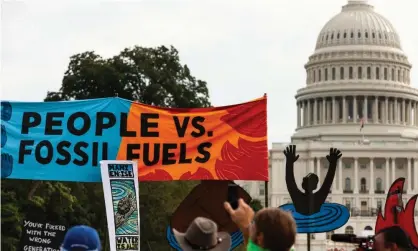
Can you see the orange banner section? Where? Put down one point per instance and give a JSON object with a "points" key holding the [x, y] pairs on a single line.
{"points": [[222, 143]]}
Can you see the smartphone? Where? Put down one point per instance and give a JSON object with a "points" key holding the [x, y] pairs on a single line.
{"points": [[233, 195]]}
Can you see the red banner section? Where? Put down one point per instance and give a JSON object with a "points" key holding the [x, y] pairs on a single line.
{"points": [[221, 143]]}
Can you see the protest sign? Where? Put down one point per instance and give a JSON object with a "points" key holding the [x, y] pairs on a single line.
{"points": [[65, 141], [120, 188], [43, 236]]}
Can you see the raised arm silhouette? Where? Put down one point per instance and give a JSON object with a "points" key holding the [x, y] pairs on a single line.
{"points": [[307, 202]]}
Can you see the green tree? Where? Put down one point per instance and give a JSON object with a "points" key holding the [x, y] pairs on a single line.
{"points": [[152, 76], [256, 205]]}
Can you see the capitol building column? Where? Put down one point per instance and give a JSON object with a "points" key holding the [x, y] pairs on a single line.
{"points": [[387, 170], [416, 113], [344, 110], [371, 189], [334, 119], [416, 175], [340, 175], [324, 111], [315, 112], [298, 114], [386, 114], [390, 113], [318, 168], [415, 120], [408, 113], [393, 169], [355, 175], [311, 165], [365, 109], [355, 111], [309, 113], [376, 110], [409, 179]]}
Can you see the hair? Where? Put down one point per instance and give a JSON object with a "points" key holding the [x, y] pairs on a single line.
{"points": [[278, 228], [395, 235]]}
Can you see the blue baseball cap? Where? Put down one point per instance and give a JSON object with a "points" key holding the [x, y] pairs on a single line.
{"points": [[81, 237]]}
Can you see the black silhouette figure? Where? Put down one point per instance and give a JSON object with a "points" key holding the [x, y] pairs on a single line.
{"points": [[307, 202]]}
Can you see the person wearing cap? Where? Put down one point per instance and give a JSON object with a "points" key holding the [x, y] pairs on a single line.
{"points": [[270, 229], [202, 234], [81, 238], [392, 239]]}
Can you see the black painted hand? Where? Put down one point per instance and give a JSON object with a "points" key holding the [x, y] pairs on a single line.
{"points": [[3, 136], [334, 155], [290, 153], [6, 165]]}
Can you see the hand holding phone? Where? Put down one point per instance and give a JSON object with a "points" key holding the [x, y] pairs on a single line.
{"points": [[233, 195]]}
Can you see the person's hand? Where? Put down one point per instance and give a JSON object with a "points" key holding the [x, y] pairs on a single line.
{"points": [[334, 155], [242, 216], [290, 153]]}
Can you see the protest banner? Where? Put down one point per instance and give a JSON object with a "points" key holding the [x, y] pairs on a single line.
{"points": [[37, 235], [120, 188], [65, 141]]}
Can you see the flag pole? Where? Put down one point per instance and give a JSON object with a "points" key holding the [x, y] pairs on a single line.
{"points": [[361, 129], [266, 183], [266, 194], [309, 241]]}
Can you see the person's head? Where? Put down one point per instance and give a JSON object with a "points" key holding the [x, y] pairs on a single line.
{"points": [[273, 229], [310, 182], [203, 234], [81, 238], [391, 239]]}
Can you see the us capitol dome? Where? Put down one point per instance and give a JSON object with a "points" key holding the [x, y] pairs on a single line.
{"points": [[358, 98]]}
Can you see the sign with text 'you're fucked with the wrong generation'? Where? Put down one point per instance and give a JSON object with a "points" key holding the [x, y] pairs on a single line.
{"points": [[41, 236]]}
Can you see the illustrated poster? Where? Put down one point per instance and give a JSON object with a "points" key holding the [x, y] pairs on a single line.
{"points": [[120, 186]]}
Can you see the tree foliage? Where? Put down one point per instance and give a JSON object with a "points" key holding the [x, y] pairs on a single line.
{"points": [[152, 76], [256, 205]]}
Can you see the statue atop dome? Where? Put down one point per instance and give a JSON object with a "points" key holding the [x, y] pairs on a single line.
{"points": [[358, 1]]}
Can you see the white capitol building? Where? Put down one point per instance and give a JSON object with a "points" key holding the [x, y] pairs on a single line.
{"points": [[357, 72]]}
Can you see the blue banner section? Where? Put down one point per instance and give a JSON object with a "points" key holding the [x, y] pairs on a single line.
{"points": [[62, 141]]}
